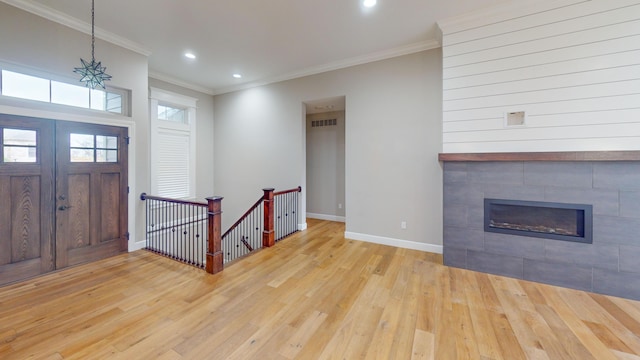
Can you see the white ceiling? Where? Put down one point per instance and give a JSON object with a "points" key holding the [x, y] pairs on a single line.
{"points": [[264, 40]]}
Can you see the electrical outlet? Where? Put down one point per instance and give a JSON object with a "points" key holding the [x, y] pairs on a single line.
{"points": [[339, 206], [403, 225]]}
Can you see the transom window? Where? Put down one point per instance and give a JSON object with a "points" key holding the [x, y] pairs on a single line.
{"points": [[174, 114], [93, 148], [18, 145], [29, 87]]}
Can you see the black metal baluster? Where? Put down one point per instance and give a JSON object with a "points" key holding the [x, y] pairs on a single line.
{"points": [[176, 232], [156, 225], [259, 227], [189, 236], [278, 211], [200, 237], [288, 226], [202, 240], [180, 232], [192, 237], [185, 232], [165, 235], [168, 229], [146, 222], [296, 211]]}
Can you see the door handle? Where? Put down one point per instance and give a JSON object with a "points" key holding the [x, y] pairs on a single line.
{"points": [[63, 207]]}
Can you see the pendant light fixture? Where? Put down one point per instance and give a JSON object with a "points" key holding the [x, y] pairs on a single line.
{"points": [[93, 73]]}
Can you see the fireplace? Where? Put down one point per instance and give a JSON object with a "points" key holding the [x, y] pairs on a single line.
{"points": [[558, 221], [605, 258]]}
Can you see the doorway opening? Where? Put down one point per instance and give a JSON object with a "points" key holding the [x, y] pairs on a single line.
{"points": [[325, 158]]}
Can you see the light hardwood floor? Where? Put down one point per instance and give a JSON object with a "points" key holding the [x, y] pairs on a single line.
{"points": [[314, 295]]}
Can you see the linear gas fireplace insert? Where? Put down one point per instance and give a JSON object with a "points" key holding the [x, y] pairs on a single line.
{"points": [[558, 221]]}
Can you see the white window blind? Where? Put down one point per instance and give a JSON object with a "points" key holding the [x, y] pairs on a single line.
{"points": [[173, 166]]}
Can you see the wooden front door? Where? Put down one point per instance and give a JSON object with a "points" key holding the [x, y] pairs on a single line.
{"points": [[91, 192], [63, 195], [26, 198]]}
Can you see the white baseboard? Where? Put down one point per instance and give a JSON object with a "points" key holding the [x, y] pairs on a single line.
{"points": [[302, 226], [326, 217], [405, 244], [137, 245]]}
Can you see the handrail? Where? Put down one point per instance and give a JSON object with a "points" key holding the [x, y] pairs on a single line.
{"points": [[298, 189], [242, 217], [144, 196]]}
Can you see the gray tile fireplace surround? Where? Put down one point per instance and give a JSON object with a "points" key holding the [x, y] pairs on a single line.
{"points": [[611, 265]]}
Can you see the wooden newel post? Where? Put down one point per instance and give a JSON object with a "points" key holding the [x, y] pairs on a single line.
{"points": [[214, 243], [268, 234]]}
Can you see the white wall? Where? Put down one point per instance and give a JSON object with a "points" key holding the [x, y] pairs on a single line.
{"points": [[393, 136], [325, 167], [34, 43], [572, 65], [204, 136]]}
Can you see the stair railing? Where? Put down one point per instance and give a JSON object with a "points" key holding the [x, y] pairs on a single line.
{"points": [[244, 236], [286, 212], [271, 218], [190, 231], [186, 231]]}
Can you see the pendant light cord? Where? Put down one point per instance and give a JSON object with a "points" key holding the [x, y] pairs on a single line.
{"points": [[93, 36]]}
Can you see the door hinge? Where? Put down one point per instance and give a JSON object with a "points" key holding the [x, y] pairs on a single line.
{"points": [[127, 139], [127, 235], [128, 189]]}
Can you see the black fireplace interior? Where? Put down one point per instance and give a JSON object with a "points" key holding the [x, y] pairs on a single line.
{"points": [[559, 221]]}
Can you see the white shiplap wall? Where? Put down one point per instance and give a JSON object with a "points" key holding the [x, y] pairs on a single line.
{"points": [[572, 65]]}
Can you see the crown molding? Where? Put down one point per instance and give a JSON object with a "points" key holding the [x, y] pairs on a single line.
{"points": [[500, 12], [337, 65], [181, 83], [73, 23]]}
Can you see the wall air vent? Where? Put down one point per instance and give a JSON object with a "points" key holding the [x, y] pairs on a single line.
{"points": [[326, 122], [515, 118]]}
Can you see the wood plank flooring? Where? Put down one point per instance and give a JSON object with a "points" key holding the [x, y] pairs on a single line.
{"points": [[314, 295]]}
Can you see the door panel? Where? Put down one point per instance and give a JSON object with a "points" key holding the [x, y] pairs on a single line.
{"points": [[25, 229], [79, 233], [91, 192], [109, 191], [26, 190]]}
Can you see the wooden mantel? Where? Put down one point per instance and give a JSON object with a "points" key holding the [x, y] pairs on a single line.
{"points": [[544, 156]]}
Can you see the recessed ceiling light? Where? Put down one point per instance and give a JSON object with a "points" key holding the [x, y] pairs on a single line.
{"points": [[237, 76], [190, 55], [369, 3]]}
